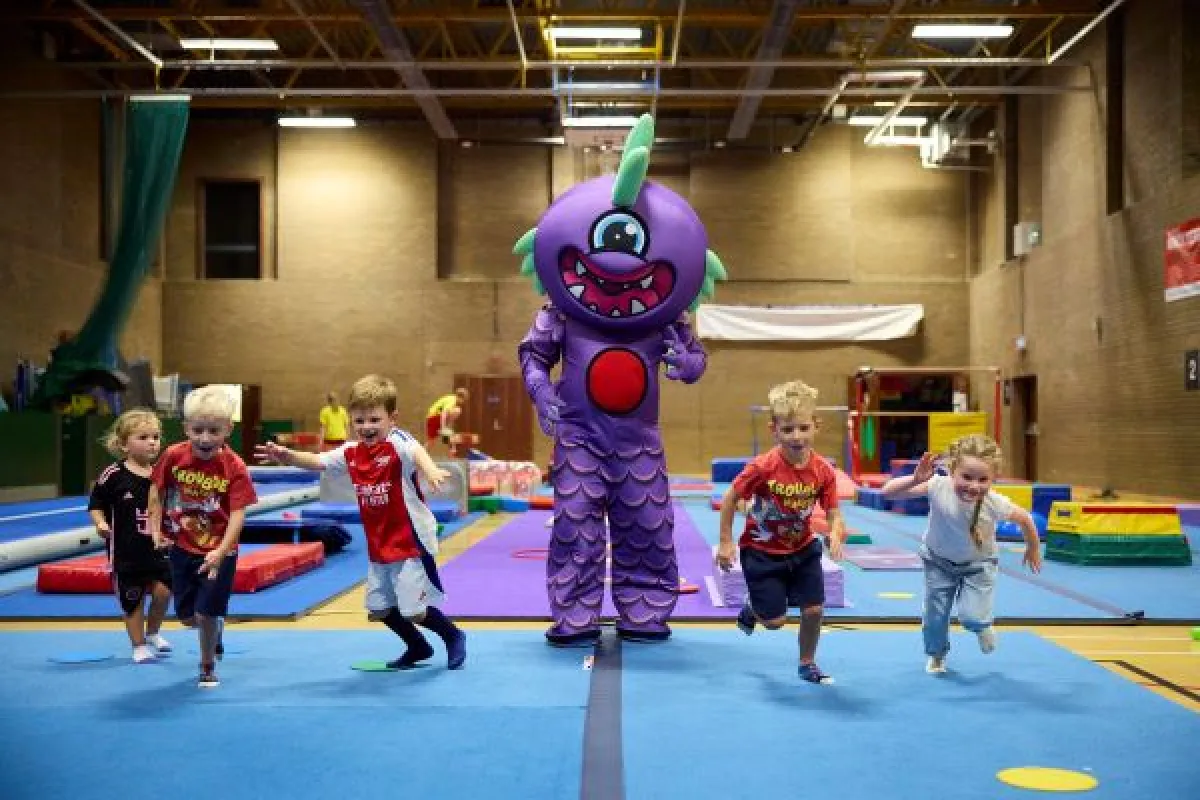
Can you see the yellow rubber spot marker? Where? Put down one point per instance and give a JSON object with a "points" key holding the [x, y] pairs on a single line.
{"points": [[896, 595], [1047, 779]]}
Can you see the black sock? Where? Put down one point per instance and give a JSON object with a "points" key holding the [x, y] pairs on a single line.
{"points": [[440, 624], [405, 629]]}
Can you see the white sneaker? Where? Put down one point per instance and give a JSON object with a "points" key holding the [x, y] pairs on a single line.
{"points": [[143, 653], [987, 640], [936, 665], [157, 641]]}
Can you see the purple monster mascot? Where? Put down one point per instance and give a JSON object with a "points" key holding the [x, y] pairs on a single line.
{"points": [[621, 259]]}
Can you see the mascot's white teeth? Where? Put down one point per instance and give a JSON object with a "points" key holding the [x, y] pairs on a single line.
{"points": [[577, 290], [636, 307]]}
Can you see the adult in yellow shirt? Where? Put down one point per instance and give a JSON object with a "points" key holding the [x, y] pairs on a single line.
{"points": [[335, 421], [440, 419]]}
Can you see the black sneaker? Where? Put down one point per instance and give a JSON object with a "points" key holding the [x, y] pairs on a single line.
{"points": [[208, 678], [456, 651], [812, 673], [412, 657], [746, 619]]}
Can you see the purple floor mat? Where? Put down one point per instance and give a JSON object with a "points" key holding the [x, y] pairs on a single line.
{"points": [[1189, 513], [487, 582], [870, 557]]}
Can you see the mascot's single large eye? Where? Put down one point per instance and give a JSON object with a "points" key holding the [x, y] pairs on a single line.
{"points": [[620, 231]]}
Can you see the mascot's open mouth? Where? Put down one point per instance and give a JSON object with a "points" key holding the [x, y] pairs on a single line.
{"points": [[611, 295]]}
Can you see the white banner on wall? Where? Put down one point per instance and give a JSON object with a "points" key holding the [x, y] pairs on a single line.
{"points": [[808, 323]]}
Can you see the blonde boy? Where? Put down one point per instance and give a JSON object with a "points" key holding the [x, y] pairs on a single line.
{"points": [[780, 553], [198, 501]]}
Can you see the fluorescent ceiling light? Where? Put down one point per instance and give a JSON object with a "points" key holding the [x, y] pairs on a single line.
{"points": [[868, 121], [608, 34], [887, 75], [962, 31], [899, 141], [228, 44], [604, 86], [316, 122], [599, 122]]}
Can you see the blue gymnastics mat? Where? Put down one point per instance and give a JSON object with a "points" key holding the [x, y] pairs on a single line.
{"points": [[294, 720], [713, 714]]}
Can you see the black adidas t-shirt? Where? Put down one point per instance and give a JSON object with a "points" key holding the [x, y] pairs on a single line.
{"points": [[123, 497]]}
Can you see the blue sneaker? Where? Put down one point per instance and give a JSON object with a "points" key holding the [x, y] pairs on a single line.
{"points": [[456, 651], [746, 619], [812, 673]]}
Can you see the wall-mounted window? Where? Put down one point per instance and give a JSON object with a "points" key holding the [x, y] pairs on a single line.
{"points": [[230, 230]]}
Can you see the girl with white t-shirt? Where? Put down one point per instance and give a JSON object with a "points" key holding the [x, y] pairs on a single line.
{"points": [[959, 546]]}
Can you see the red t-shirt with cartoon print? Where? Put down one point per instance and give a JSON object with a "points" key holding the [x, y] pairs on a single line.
{"points": [[782, 498], [198, 495]]}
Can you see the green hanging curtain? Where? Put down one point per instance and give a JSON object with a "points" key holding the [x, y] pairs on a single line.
{"points": [[155, 128]]}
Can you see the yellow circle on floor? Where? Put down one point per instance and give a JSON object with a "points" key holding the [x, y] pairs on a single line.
{"points": [[1047, 779], [896, 595]]}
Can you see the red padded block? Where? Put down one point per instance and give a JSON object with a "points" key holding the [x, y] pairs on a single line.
{"points": [[543, 502], [275, 564], [481, 490], [86, 575], [255, 570]]}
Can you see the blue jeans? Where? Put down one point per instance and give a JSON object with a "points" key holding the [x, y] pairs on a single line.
{"points": [[971, 582]]}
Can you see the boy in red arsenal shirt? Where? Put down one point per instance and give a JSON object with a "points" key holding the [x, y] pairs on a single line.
{"points": [[780, 553], [198, 502], [383, 464]]}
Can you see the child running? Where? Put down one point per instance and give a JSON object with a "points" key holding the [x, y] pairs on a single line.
{"points": [[780, 553], [402, 577], [118, 508], [959, 546]]}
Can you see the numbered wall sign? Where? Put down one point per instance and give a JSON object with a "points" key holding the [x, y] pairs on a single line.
{"points": [[1191, 370]]}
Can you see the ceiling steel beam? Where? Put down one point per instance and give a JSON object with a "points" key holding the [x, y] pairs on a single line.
{"points": [[120, 34], [506, 63], [774, 38], [395, 46], [447, 11], [312, 28], [735, 91]]}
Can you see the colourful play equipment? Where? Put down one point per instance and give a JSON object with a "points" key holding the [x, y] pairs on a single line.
{"points": [[944, 426], [1110, 534]]}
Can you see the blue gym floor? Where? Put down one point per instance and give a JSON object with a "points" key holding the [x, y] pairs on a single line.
{"points": [[709, 714]]}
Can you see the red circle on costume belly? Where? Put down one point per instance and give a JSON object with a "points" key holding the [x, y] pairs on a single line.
{"points": [[616, 381]]}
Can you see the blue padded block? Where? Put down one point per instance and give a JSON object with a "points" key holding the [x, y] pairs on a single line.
{"points": [[899, 467], [912, 506], [339, 512], [724, 470], [513, 503], [872, 498], [1044, 495], [445, 510], [1010, 532]]}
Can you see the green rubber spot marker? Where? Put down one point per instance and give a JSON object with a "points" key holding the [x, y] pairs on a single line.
{"points": [[372, 666]]}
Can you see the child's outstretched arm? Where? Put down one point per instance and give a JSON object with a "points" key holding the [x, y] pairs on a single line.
{"points": [[434, 475], [915, 484], [726, 553], [272, 453], [1033, 545]]}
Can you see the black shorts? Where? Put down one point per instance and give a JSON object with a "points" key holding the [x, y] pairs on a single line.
{"points": [[132, 585], [777, 583], [196, 593]]}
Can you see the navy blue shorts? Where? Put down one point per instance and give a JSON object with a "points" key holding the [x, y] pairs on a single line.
{"points": [[777, 583], [198, 594]]}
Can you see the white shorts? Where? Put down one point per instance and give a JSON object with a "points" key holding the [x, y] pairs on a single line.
{"points": [[404, 585]]}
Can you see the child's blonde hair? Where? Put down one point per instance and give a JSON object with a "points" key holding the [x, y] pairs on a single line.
{"points": [[984, 448], [372, 391], [792, 399], [125, 426], [210, 402]]}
